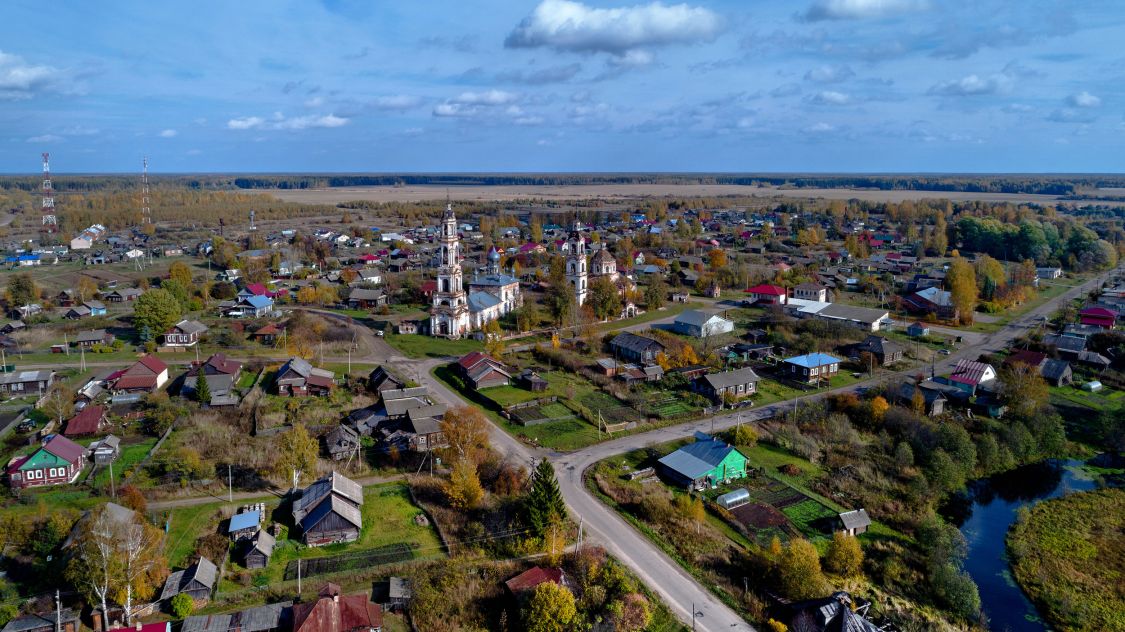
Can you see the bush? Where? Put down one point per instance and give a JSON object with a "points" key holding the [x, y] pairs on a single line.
{"points": [[182, 605]]}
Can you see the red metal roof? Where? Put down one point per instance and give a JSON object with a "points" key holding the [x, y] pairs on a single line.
{"points": [[969, 372], [152, 363], [85, 422], [770, 290], [64, 448], [469, 360], [533, 577], [337, 613]]}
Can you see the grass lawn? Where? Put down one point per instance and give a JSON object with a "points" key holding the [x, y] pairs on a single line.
{"points": [[505, 396], [809, 517], [246, 380], [187, 524], [416, 346], [130, 456], [1105, 399], [673, 309], [388, 518]]}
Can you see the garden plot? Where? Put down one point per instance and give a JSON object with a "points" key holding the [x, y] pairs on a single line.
{"points": [[778, 509], [611, 410], [542, 414]]}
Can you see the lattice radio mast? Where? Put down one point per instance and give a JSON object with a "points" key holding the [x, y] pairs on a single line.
{"points": [[146, 210], [50, 220]]}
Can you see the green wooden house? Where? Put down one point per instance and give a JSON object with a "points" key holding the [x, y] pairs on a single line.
{"points": [[706, 463]]}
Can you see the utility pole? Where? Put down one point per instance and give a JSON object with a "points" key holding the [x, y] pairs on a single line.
{"points": [[230, 485], [82, 361], [112, 485], [58, 612], [298, 577]]}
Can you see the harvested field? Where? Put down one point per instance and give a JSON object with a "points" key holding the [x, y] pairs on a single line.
{"points": [[420, 193], [759, 516]]}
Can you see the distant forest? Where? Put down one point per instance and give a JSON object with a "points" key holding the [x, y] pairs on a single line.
{"points": [[1063, 185]]}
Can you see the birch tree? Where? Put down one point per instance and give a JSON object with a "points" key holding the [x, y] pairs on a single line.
{"points": [[94, 569]]}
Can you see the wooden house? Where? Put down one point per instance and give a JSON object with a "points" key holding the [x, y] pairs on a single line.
{"points": [[633, 348], [197, 581], [854, 522], [333, 612], [243, 526], [735, 384], [184, 333], [328, 511], [53, 621], [704, 464], [811, 367], [482, 370], [88, 421], [259, 550], [59, 461], [145, 376], [298, 378]]}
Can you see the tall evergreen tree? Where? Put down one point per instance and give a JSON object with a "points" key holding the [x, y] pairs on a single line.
{"points": [[544, 503], [202, 390]]}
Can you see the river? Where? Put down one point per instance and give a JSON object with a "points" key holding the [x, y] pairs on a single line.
{"points": [[984, 516]]}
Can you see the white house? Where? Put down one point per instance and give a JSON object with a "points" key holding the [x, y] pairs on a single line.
{"points": [[700, 324]]}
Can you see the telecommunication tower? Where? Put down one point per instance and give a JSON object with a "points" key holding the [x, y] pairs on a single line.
{"points": [[50, 220], [146, 210]]}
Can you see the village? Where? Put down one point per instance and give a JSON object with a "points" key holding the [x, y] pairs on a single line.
{"points": [[247, 430]]}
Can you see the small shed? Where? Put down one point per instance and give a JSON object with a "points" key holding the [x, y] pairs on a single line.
{"points": [[737, 498], [244, 525], [854, 522], [260, 550], [532, 381], [107, 450], [1092, 386]]}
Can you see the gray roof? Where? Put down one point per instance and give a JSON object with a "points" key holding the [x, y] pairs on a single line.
{"points": [[264, 542], [696, 459], [634, 342], [480, 301], [190, 327], [263, 618], [34, 621], [94, 335], [425, 425], [400, 407], [360, 294], [731, 378], [334, 484], [203, 571], [401, 393], [1066, 343], [855, 519], [1054, 369], [208, 623], [852, 312], [434, 411], [23, 377], [696, 317], [878, 345]]}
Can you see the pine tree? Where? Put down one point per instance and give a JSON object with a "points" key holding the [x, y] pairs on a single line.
{"points": [[544, 503], [202, 390]]}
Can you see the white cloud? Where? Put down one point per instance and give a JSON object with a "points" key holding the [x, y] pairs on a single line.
{"points": [[314, 102], [20, 80], [830, 74], [396, 102], [972, 85], [1071, 115], [819, 128], [1084, 100], [280, 122], [168, 133], [861, 9], [573, 26], [490, 97], [45, 138], [830, 97]]}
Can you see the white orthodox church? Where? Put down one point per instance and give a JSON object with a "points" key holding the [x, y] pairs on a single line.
{"points": [[455, 312]]}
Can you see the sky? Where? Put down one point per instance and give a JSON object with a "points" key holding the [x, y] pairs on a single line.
{"points": [[563, 85]]}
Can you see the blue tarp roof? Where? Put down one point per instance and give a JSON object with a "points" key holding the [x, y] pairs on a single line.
{"points": [[245, 520], [695, 460], [811, 360]]}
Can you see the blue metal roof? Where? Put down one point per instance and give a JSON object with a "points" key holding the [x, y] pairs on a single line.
{"points": [[812, 360], [245, 520], [696, 459], [480, 301], [258, 301]]}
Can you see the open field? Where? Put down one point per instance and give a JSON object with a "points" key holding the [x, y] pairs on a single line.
{"points": [[420, 193]]}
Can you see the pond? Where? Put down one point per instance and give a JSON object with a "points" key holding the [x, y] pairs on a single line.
{"points": [[984, 515]]}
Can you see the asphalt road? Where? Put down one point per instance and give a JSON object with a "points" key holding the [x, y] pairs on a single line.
{"points": [[684, 595]]}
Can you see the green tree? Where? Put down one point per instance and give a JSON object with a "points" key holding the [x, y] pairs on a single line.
{"points": [[656, 294], [560, 298], [1025, 392], [604, 298], [178, 291], [182, 606], [692, 509], [464, 490], [544, 503], [157, 310], [799, 574], [202, 390], [87, 288], [296, 453], [22, 290], [551, 609], [844, 555]]}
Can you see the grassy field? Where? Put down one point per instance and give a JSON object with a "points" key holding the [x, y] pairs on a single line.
{"points": [[388, 518], [130, 456], [505, 396], [415, 346], [1069, 564], [187, 524], [1106, 399]]}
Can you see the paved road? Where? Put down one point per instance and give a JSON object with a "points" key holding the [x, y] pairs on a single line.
{"points": [[678, 589]]}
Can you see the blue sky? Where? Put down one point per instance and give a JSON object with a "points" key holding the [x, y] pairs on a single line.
{"points": [[561, 85]]}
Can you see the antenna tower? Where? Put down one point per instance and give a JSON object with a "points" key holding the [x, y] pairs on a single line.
{"points": [[146, 210], [50, 221]]}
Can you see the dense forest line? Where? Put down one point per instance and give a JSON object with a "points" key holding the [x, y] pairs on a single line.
{"points": [[1066, 185]]}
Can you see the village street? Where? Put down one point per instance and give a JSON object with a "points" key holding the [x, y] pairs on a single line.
{"points": [[684, 595]]}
